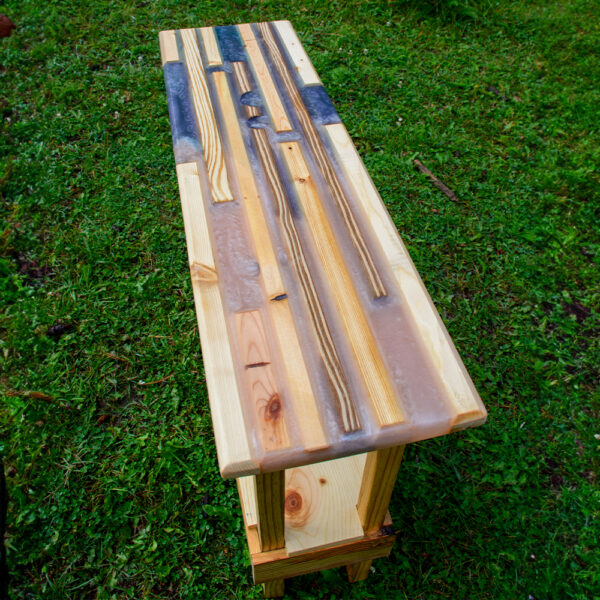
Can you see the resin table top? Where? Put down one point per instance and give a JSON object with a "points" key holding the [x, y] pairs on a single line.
{"points": [[318, 337]]}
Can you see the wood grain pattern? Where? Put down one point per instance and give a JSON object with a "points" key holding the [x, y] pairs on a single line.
{"points": [[209, 134], [241, 76], [375, 378], [299, 218], [213, 56], [264, 77], [329, 174], [465, 401], [379, 477], [300, 59], [328, 351], [306, 410], [230, 430], [320, 509], [270, 489], [168, 46], [267, 401]]}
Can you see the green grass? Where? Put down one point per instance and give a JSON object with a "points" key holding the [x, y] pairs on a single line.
{"points": [[114, 487]]}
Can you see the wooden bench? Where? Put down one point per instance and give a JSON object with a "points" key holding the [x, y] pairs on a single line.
{"points": [[323, 352]]}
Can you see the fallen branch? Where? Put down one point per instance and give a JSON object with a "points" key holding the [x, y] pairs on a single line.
{"points": [[438, 184]]}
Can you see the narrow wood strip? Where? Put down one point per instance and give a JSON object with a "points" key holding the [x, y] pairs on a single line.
{"points": [[358, 571], [327, 350], [241, 76], [211, 48], [168, 46], [329, 174], [298, 55], [270, 489], [379, 477], [465, 400], [364, 347], [209, 135], [231, 436], [305, 406], [267, 404], [265, 80]]}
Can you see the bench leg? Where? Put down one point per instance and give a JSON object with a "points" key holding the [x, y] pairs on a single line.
{"points": [[274, 589], [358, 571], [379, 477], [270, 492]]}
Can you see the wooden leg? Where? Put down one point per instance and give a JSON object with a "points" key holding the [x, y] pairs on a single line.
{"points": [[358, 571], [270, 491], [274, 589], [379, 476]]}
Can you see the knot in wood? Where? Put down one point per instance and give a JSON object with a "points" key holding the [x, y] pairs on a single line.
{"points": [[273, 411], [293, 502]]}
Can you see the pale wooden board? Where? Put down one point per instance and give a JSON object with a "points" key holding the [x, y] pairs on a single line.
{"points": [[267, 403], [320, 504], [302, 63], [209, 134], [467, 405], [213, 56], [273, 100], [168, 46], [374, 375], [226, 409]]}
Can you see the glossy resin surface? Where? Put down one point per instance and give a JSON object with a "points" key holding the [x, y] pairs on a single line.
{"points": [[319, 339]]}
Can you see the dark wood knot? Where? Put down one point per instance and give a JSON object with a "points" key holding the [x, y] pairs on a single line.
{"points": [[293, 502], [273, 410]]}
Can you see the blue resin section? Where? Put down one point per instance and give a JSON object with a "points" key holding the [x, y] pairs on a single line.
{"points": [[319, 105], [230, 43], [181, 113]]}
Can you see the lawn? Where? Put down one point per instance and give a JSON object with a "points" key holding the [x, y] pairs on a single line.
{"points": [[104, 424]]}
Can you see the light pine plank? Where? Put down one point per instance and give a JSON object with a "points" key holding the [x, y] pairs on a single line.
{"points": [[327, 349], [270, 489], [366, 353], [305, 407], [209, 134], [168, 46], [298, 55], [265, 80], [326, 168], [465, 401], [247, 491], [231, 436], [379, 477], [213, 56], [267, 404], [320, 504]]}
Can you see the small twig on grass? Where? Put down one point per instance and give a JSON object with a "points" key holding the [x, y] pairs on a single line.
{"points": [[438, 184], [157, 381]]}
